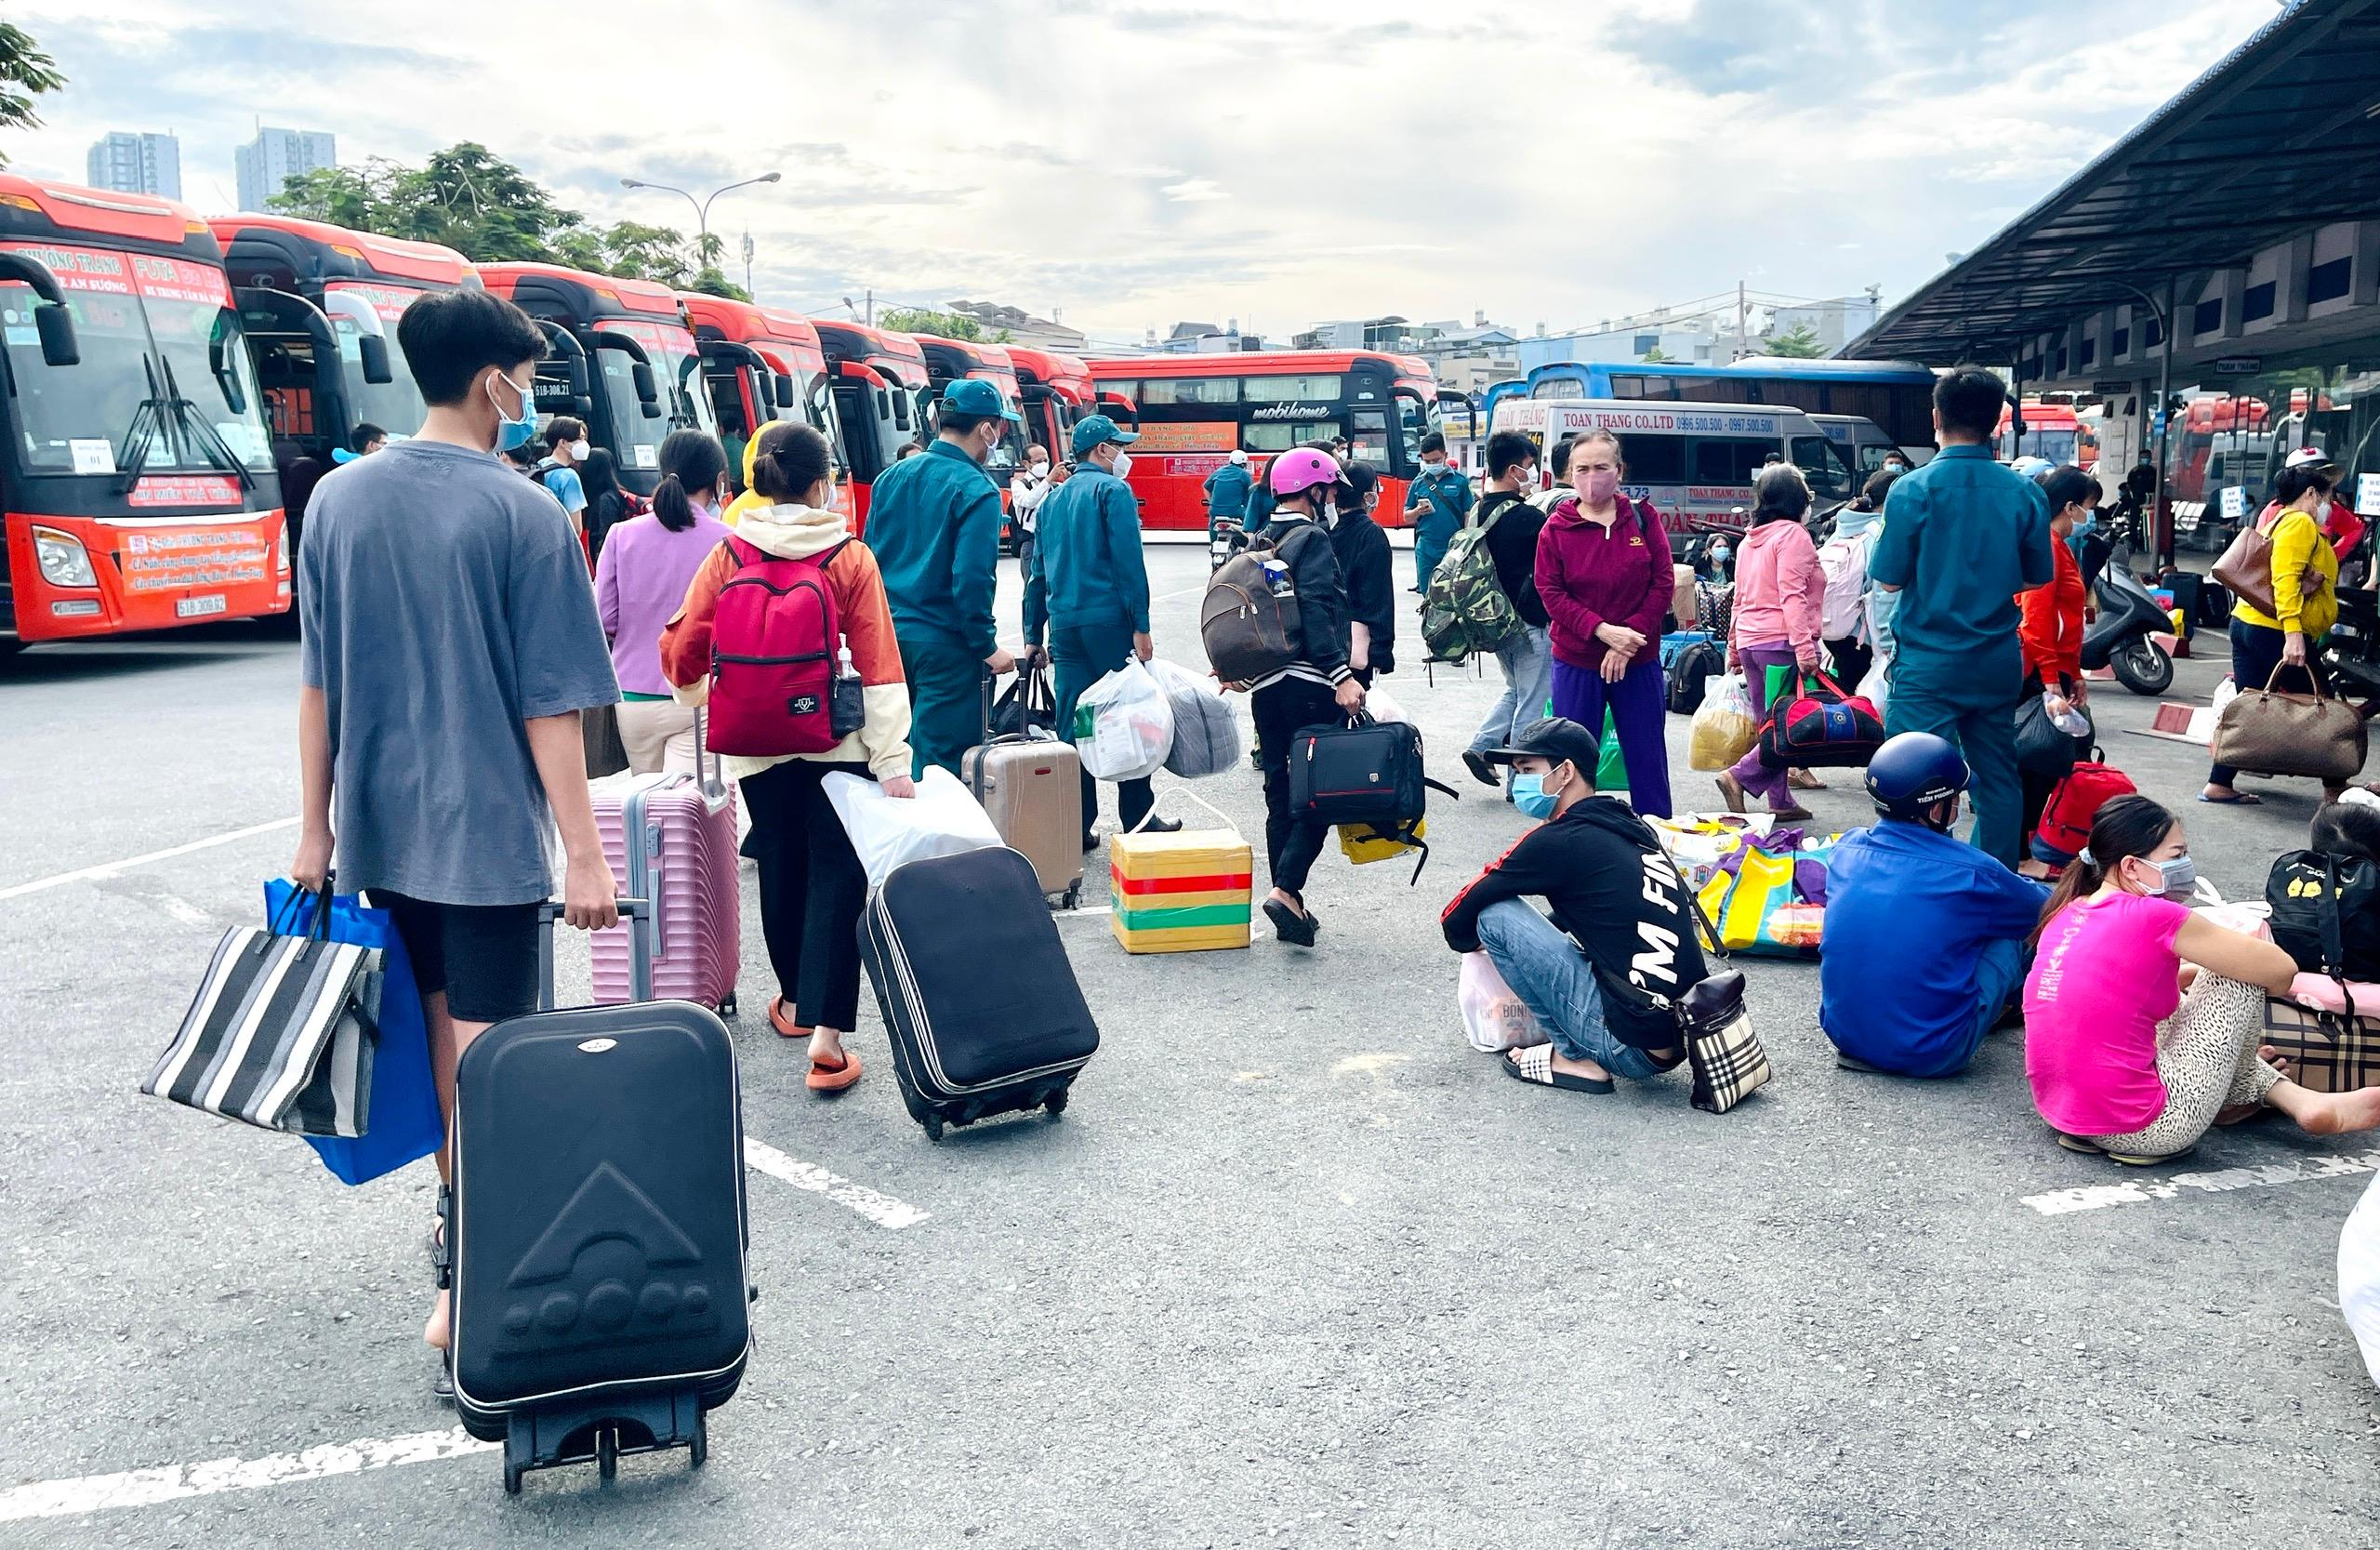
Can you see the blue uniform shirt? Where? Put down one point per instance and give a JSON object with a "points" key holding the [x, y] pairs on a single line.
{"points": [[1446, 490], [1087, 568], [1961, 536], [1227, 490], [934, 523]]}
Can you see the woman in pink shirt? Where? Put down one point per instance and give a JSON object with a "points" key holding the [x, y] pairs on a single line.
{"points": [[1779, 587], [640, 582], [2141, 1017]]}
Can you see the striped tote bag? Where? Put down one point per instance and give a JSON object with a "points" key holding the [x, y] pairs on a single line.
{"points": [[280, 1034]]}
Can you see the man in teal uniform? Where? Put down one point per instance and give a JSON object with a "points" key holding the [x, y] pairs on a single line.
{"points": [[1439, 500], [934, 523], [1226, 491], [1090, 590], [1963, 536]]}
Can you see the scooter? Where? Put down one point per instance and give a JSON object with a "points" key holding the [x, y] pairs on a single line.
{"points": [[2118, 638], [1228, 540]]}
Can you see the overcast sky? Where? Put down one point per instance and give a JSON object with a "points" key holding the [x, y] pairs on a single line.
{"points": [[1137, 162]]}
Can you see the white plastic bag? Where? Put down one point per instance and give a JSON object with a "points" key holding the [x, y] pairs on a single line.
{"points": [[1123, 724], [1493, 1017], [1380, 708], [1874, 688], [1726, 727], [2360, 1277], [1206, 735], [943, 819], [2225, 693]]}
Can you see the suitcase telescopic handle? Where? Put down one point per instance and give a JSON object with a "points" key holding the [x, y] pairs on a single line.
{"points": [[638, 915]]}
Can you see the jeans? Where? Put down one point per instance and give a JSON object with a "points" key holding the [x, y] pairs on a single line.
{"points": [[1281, 709], [1528, 662], [1639, 712], [1755, 777], [1980, 718], [2255, 651], [812, 889], [945, 702], [1080, 657], [1547, 970]]}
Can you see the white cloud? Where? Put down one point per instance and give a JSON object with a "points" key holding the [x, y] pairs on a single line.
{"points": [[1193, 191]]}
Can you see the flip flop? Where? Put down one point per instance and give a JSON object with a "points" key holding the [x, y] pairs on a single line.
{"points": [[1853, 1063], [1297, 930], [1795, 814], [2129, 1160], [1481, 770], [786, 1027], [1534, 1065], [2237, 799], [823, 1077]]}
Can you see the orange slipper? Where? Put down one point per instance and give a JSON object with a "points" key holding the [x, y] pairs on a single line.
{"points": [[786, 1027], [823, 1077]]}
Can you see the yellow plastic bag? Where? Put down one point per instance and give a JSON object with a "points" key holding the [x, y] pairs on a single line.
{"points": [[1362, 842], [1724, 728]]}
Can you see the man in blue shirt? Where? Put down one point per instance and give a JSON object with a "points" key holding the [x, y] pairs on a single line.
{"points": [[934, 523], [1088, 587], [1438, 501], [1226, 490], [1963, 536], [558, 470], [1924, 936]]}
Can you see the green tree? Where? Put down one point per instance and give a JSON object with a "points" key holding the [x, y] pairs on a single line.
{"points": [[481, 206], [26, 73], [1799, 343], [925, 320], [1654, 356], [712, 282], [360, 198]]}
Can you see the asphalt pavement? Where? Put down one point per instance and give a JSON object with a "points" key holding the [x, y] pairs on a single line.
{"points": [[1296, 1267]]}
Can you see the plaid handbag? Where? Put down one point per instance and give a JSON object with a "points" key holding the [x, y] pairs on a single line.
{"points": [[2328, 1052], [1728, 1062]]}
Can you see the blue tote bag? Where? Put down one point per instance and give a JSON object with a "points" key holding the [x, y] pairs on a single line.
{"points": [[402, 1123]]}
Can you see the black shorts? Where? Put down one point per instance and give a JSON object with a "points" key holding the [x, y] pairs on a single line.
{"points": [[483, 956]]}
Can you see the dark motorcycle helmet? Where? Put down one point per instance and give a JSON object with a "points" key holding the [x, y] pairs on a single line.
{"points": [[1913, 773]]}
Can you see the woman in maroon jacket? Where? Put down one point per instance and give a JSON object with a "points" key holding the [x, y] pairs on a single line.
{"points": [[1603, 573]]}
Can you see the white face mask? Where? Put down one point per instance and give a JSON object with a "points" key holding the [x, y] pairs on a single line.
{"points": [[579, 450], [1121, 466], [1040, 467]]}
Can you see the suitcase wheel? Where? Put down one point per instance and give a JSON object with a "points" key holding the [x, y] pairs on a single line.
{"points": [[607, 1453], [727, 1007], [1055, 1103], [512, 1473], [1073, 894], [933, 1127]]}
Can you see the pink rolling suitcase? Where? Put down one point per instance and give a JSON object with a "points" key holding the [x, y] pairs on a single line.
{"points": [[671, 839]]}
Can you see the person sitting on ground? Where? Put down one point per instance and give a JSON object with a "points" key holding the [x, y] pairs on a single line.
{"points": [[812, 884], [1622, 944], [2121, 1061], [1907, 881], [1365, 569]]}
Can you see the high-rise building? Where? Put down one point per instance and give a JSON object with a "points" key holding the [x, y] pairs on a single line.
{"points": [[137, 163], [277, 155]]}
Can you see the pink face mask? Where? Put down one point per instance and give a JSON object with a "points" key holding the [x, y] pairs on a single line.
{"points": [[1597, 484]]}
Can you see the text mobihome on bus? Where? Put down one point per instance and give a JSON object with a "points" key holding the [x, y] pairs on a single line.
{"points": [[1897, 396], [762, 364], [1194, 409], [877, 379], [1694, 462], [320, 306], [136, 476], [619, 357]]}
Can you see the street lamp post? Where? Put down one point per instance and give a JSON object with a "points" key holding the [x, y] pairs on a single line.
{"points": [[702, 207]]}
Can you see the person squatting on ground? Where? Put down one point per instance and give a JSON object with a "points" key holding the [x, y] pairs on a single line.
{"points": [[934, 523], [1603, 570], [451, 644], [1963, 537], [641, 581], [1621, 933], [1774, 637], [1512, 527], [1950, 921], [812, 884], [2142, 1016]]}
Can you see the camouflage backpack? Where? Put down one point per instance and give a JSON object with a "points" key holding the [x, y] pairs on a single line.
{"points": [[1464, 609]]}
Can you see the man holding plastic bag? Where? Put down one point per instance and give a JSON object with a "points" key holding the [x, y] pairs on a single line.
{"points": [[1088, 591]]}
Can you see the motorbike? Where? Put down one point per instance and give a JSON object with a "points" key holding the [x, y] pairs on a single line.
{"points": [[2118, 638], [2350, 656], [1228, 540]]}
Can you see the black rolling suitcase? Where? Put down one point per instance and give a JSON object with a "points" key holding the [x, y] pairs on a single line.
{"points": [[979, 1001], [596, 1229]]}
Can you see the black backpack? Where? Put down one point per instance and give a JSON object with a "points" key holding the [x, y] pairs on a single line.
{"points": [[2326, 913], [1365, 773], [1691, 674]]}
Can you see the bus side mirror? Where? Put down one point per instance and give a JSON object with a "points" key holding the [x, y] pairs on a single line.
{"points": [[575, 366], [646, 393], [784, 391], [374, 351], [57, 326]]}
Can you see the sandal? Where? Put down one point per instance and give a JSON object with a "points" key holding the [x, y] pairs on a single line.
{"points": [[1297, 930], [823, 1077], [783, 1022], [2129, 1160], [1534, 1064], [1803, 781], [1796, 813], [1731, 791], [2237, 799], [441, 1389]]}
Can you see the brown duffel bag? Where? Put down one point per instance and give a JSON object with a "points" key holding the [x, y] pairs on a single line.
{"points": [[2269, 732]]}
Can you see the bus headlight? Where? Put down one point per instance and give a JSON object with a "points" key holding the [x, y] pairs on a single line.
{"points": [[281, 558], [64, 560]]}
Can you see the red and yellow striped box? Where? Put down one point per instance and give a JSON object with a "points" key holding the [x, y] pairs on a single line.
{"points": [[1179, 893]]}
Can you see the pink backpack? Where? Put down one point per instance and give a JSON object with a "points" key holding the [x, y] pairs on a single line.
{"points": [[773, 661]]}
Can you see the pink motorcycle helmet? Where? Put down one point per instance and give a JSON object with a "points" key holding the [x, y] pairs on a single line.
{"points": [[1297, 472]]}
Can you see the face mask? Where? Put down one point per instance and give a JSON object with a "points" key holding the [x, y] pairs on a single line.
{"points": [[1720, 552], [1433, 468], [579, 450], [1598, 484], [2089, 523], [512, 434], [2177, 878], [1040, 467], [1896, 468], [1531, 797], [1121, 466]]}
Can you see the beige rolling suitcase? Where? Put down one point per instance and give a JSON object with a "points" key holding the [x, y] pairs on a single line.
{"points": [[1032, 787]]}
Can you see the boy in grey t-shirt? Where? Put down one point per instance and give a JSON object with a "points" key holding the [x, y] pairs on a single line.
{"points": [[451, 642]]}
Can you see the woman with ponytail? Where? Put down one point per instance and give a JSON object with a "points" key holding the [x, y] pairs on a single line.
{"points": [[640, 579], [2141, 1017]]}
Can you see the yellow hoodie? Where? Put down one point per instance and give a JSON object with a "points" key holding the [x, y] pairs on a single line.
{"points": [[752, 499]]}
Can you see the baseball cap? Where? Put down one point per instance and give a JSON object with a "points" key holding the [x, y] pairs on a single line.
{"points": [[1095, 430], [1557, 738], [1239, 456], [2309, 457], [972, 395]]}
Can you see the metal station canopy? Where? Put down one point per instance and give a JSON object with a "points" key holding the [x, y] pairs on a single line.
{"points": [[2282, 136]]}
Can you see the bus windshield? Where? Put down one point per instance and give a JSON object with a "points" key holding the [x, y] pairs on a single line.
{"points": [[2057, 445], [677, 382], [205, 358], [395, 407]]}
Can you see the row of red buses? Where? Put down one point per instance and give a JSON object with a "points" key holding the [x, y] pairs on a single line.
{"points": [[1193, 410], [762, 364], [879, 384], [137, 483]]}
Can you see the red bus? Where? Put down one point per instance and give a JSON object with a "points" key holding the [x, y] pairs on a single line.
{"points": [[947, 360], [2052, 430], [762, 364], [320, 306], [619, 357], [1191, 410], [137, 486], [878, 381], [1057, 390]]}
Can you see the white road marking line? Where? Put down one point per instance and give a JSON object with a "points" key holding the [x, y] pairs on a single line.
{"points": [[142, 1488], [1084, 910], [111, 868], [2133, 1192], [883, 1210]]}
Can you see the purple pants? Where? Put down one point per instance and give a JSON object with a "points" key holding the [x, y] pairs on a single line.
{"points": [[1756, 778], [1639, 713]]}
